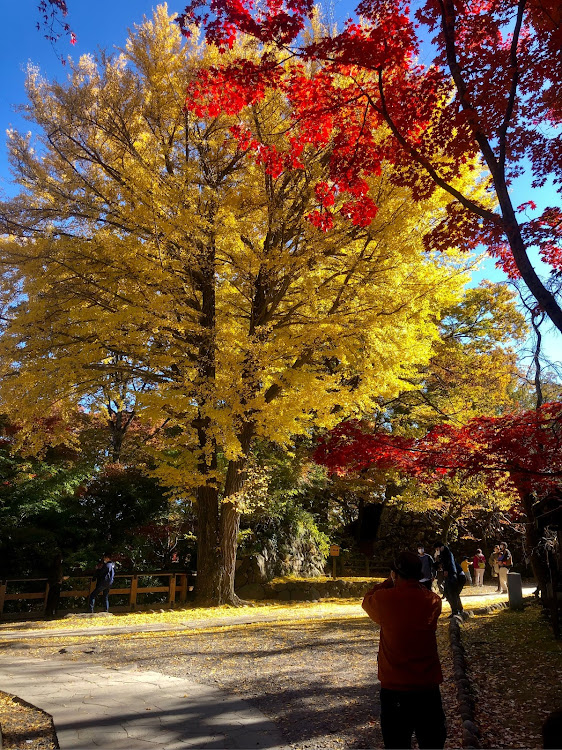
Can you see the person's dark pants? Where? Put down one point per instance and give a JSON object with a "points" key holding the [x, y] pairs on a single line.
{"points": [[405, 712], [95, 592], [453, 595], [53, 599], [427, 584]]}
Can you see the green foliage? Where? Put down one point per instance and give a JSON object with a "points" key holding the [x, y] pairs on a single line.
{"points": [[34, 523], [65, 502], [111, 506], [281, 519]]}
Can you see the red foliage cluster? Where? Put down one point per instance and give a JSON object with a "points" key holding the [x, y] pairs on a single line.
{"points": [[526, 447], [491, 91]]}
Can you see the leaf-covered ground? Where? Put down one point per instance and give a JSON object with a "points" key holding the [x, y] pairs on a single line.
{"points": [[516, 671], [24, 726], [472, 597], [314, 678]]}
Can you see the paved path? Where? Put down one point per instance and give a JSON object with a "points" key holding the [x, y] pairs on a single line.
{"points": [[122, 709]]}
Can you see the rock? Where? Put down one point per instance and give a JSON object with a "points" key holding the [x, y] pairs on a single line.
{"points": [[284, 595], [471, 727], [251, 591], [299, 594], [469, 740], [252, 569]]}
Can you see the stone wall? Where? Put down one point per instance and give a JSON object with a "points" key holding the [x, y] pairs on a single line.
{"points": [[300, 558], [305, 591]]}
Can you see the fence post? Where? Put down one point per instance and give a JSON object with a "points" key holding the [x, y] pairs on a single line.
{"points": [[172, 594], [45, 600], [133, 593], [183, 587], [3, 585]]}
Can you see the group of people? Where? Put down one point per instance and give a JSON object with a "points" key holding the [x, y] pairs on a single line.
{"points": [[500, 561], [452, 576]]}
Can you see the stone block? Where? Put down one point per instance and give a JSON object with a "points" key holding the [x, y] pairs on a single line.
{"points": [[251, 591], [515, 591]]}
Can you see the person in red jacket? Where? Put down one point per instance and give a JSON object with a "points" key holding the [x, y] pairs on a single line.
{"points": [[479, 562], [409, 670]]}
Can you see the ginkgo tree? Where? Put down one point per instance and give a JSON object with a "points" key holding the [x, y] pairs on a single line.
{"points": [[173, 247], [473, 370], [451, 80]]}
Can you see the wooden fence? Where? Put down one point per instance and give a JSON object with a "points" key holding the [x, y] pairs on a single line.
{"points": [[177, 589]]}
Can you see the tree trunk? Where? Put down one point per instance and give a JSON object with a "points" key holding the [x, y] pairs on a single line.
{"points": [[208, 558], [496, 163], [533, 539], [230, 518], [208, 500], [229, 527]]}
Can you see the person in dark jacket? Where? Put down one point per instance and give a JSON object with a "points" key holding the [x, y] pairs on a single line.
{"points": [[428, 567], [408, 662], [453, 576], [105, 573]]}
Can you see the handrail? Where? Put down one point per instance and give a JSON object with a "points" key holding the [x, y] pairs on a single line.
{"points": [[84, 574], [177, 587]]}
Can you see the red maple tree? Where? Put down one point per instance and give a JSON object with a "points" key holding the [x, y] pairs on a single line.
{"points": [[523, 449], [526, 448], [490, 91]]}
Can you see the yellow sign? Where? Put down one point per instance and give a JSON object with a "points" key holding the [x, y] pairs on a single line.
{"points": [[334, 550]]}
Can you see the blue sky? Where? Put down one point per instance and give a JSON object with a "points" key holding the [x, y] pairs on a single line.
{"points": [[103, 24]]}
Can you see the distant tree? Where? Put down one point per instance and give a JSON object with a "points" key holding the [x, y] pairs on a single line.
{"points": [[473, 370]]}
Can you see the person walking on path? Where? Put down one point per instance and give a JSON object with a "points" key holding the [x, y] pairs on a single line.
{"points": [[105, 573], [453, 577], [505, 562], [408, 662], [428, 567], [479, 563], [493, 563]]}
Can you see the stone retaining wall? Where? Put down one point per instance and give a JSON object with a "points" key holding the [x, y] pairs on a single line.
{"points": [[305, 591]]}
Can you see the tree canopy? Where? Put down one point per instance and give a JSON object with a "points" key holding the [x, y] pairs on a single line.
{"points": [[146, 248], [522, 450]]}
